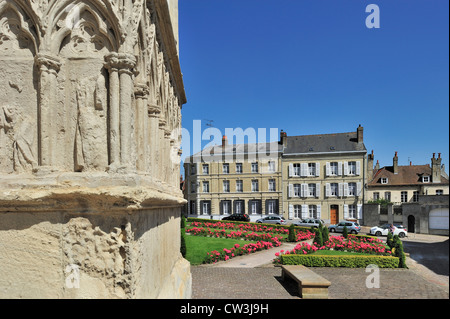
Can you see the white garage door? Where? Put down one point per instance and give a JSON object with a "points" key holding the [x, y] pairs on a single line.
{"points": [[438, 218]]}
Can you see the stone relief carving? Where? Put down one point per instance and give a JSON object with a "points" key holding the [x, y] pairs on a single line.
{"points": [[90, 150], [17, 128], [95, 103]]}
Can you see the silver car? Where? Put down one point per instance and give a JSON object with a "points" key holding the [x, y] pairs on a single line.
{"points": [[309, 222], [272, 220], [352, 227]]}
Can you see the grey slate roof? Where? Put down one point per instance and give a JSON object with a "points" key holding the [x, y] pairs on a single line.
{"points": [[239, 149], [323, 143]]}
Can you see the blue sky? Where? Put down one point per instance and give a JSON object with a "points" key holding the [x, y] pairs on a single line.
{"points": [[313, 67]]}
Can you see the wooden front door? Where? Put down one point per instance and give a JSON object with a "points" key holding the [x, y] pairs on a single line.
{"points": [[334, 213]]}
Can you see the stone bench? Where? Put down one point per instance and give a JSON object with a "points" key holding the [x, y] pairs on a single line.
{"points": [[310, 284]]}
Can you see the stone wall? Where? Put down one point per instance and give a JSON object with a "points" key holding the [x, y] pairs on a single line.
{"points": [[90, 132]]}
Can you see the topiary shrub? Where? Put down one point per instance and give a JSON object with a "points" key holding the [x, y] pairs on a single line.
{"points": [[318, 240], [292, 233], [325, 235], [345, 232]]}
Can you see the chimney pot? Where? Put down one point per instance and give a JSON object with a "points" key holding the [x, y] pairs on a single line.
{"points": [[439, 155], [224, 141], [434, 155]]}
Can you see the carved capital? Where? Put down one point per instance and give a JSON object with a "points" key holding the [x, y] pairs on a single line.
{"points": [[122, 62], [153, 110], [47, 63], [141, 91]]}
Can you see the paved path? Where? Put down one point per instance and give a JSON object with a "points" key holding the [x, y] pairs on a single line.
{"points": [[254, 277]]}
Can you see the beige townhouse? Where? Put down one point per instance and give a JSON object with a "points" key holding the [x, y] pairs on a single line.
{"points": [[400, 184], [323, 176], [241, 179]]}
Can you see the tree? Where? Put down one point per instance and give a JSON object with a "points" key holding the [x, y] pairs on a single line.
{"points": [[183, 248]]}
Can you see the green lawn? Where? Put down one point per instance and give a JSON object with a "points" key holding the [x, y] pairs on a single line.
{"points": [[198, 246]]}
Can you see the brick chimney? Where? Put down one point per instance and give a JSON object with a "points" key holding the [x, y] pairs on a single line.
{"points": [[436, 168], [224, 141], [283, 138], [360, 134], [370, 159], [395, 163]]}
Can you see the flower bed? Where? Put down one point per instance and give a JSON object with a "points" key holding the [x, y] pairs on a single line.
{"points": [[243, 231], [355, 244], [215, 256]]}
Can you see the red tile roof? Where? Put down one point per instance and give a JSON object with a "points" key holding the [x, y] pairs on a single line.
{"points": [[407, 175]]}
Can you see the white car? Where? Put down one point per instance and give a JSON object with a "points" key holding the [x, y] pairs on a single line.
{"points": [[383, 230]]}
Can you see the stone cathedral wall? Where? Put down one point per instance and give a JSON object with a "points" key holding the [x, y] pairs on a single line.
{"points": [[91, 93]]}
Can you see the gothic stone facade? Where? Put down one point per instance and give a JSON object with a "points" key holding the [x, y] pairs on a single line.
{"points": [[90, 119]]}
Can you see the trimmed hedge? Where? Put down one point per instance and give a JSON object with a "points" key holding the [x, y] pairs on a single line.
{"points": [[340, 261]]}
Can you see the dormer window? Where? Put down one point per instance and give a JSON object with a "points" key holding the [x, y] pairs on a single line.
{"points": [[425, 179], [384, 180]]}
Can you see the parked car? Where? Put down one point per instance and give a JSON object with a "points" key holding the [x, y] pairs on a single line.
{"points": [[309, 222], [352, 227], [272, 220], [238, 217], [383, 230]]}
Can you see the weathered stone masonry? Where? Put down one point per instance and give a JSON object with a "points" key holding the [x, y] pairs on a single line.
{"points": [[90, 119]]}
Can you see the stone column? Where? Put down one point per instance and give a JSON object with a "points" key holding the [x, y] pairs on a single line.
{"points": [[161, 148], [141, 93], [121, 87], [127, 64], [47, 136], [153, 137], [112, 64]]}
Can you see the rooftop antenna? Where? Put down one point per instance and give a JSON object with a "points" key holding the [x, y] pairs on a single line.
{"points": [[209, 123]]}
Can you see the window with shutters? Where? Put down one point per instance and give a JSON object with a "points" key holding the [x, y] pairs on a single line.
{"points": [[255, 167], [352, 211], [297, 211], [311, 190], [311, 169], [334, 189], [226, 207], [334, 169], [206, 207], [351, 168], [312, 209], [254, 205], [297, 190], [351, 189], [205, 169], [226, 168], [271, 205], [297, 170], [239, 168], [239, 207]]}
